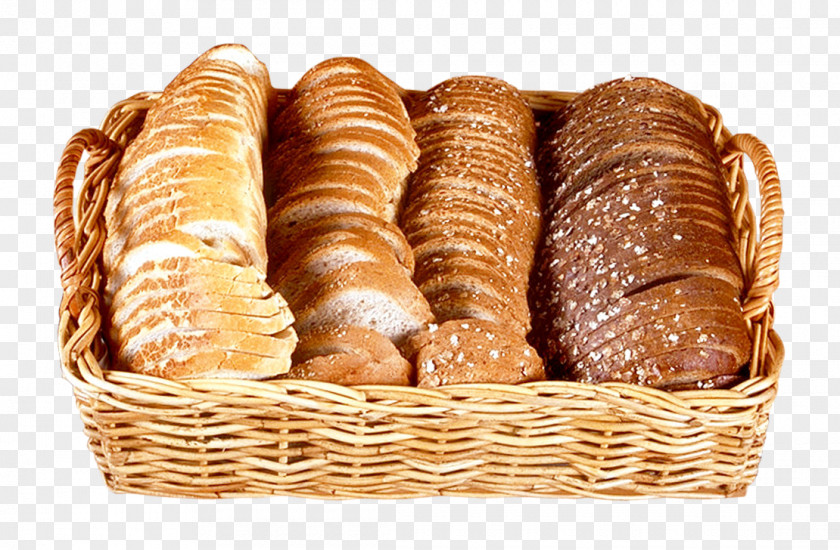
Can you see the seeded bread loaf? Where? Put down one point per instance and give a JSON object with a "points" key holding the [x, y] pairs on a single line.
{"points": [[637, 279], [472, 218]]}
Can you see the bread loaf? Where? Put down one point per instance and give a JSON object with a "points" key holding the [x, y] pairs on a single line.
{"points": [[185, 254], [344, 147], [637, 279], [472, 219]]}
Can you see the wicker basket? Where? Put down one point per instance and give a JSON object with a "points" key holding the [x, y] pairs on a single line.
{"points": [[232, 438]]}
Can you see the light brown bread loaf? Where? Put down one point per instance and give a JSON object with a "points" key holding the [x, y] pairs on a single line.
{"points": [[350, 355], [344, 147]]}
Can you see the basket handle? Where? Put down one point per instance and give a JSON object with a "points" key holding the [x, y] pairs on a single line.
{"points": [[81, 245], [769, 245]]}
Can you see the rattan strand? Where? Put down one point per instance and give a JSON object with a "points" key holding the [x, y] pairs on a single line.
{"points": [[238, 438]]}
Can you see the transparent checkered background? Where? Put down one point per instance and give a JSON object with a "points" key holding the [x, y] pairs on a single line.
{"points": [[769, 70]]}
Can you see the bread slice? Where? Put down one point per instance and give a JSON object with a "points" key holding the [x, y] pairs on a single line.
{"points": [[319, 261], [621, 210], [180, 272], [324, 175], [364, 295], [678, 364], [193, 169], [374, 126], [510, 234], [349, 355], [248, 299], [306, 206], [521, 225], [432, 246], [468, 273], [666, 300], [475, 97], [621, 252], [612, 100], [514, 186], [638, 151], [710, 326], [174, 245], [293, 169], [297, 236], [184, 317], [474, 351], [684, 358], [213, 222], [659, 175], [459, 303], [195, 353], [354, 369], [213, 363], [457, 134], [364, 140], [335, 67], [610, 280], [198, 297]]}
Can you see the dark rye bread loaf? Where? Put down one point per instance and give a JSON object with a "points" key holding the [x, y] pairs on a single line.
{"points": [[636, 278], [473, 218]]}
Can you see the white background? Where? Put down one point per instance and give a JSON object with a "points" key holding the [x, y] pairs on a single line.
{"points": [[768, 69]]}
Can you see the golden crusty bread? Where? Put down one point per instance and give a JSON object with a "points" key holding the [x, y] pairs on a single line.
{"points": [[199, 353], [184, 272], [185, 255]]}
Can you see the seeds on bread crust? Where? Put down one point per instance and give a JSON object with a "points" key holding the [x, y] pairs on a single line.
{"points": [[637, 253]]}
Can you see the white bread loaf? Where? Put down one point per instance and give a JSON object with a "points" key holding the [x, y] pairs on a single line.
{"points": [[185, 255]]}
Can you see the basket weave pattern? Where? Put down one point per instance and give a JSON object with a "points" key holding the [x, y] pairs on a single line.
{"points": [[227, 438]]}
